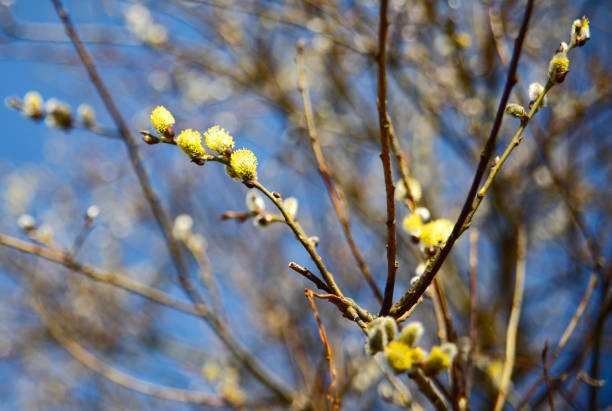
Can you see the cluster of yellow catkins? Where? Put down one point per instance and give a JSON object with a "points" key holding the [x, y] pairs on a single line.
{"points": [[401, 349], [433, 233], [242, 163]]}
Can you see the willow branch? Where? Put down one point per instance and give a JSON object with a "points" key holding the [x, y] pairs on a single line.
{"points": [[153, 294], [119, 377], [158, 212], [565, 336], [302, 238], [513, 322], [132, 148], [416, 291], [335, 401], [428, 388], [386, 157], [335, 190], [401, 162], [114, 279], [473, 316], [309, 275]]}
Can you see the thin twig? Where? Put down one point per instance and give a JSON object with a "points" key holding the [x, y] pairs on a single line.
{"points": [[516, 140], [153, 294], [302, 238], [309, 275], [513, 322], [386, 157], [111, 278], [328, 353], [564, 337], [473, 320], [414, 293], [428, 388], [336, 193], [547, 378], [451, 336], [119, 377], [159, 213], [401, 162]]}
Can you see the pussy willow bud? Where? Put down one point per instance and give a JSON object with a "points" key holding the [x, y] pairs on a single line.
{"points": [[58, 114], [254, 201], [440, 358], [516, 110], [162, 121], [26, 222], [262, 220], [380, 332], [580, 32], [558, 67], [411, 333], [535, 91], [219, 140], [32, 105], [291, 205], [92, 213], [243, 164], [87, 115]]}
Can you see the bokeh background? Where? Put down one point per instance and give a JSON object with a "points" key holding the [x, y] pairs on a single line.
{"points": [[233, 63]]}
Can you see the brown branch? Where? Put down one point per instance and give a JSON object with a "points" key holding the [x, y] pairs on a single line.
{"points": [[335, 190], [547, 378], [111, 278], [335, 401], [302, 238], [119, 377], [428, 388], [158, 212], [386, 158], [513, 322], [309, 275], [564, 337], [414, 293], [153, 294]]}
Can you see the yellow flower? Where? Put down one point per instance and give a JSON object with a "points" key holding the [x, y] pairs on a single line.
{"points": [[401, 357], [33, 105], [440, 358], [581, 31], [190, 142], [219, 140], [417, 355], [436, 232], [557, 69], [162, 120], [243, 163], [413, 224]]}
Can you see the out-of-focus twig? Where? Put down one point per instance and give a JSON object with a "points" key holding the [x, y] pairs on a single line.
{"points": [[551, 401], [564, 337], [385, 157], [428, 388], [401, 163], [114, 279], [159, 213], [414, 293], [473, 316], [335, 190], [513, 322], [119, 377], [335, 401]]}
